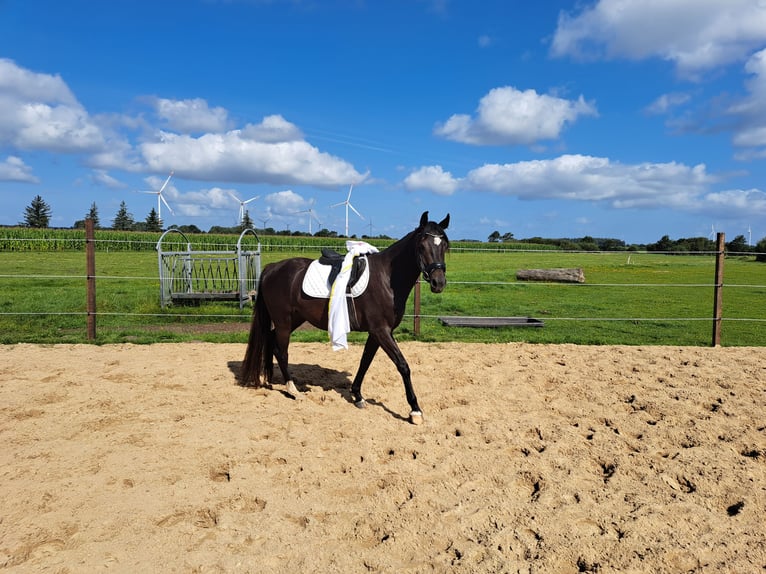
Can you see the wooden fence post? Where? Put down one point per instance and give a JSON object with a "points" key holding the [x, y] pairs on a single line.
{"points": [[718, 289], [90, 256], [416, 325]]}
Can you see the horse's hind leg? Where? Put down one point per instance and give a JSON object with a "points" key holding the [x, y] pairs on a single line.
{"points": [[370, 348], [281, 344]]}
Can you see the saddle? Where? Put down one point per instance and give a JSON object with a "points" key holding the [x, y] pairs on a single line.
{"points": [[322, 272], [335, 261]]}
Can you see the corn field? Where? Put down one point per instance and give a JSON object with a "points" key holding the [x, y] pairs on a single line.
{"points": [[45, 240], [108, 240]]}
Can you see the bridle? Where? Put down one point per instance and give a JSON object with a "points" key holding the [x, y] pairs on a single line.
{"points": [[426, 270]]}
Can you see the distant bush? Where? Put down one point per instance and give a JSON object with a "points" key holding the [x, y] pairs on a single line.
{"points": [[761, 249]]}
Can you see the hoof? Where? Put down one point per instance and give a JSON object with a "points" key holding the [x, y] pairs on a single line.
{"points": [[416, 417], [291, 390], [361, 404]]}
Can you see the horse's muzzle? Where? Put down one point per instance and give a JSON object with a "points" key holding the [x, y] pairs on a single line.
{"points": [[438, 281], [436, 275]]}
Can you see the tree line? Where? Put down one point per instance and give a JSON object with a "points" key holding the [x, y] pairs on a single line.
{"points": [[684, 245], [38, 214]]}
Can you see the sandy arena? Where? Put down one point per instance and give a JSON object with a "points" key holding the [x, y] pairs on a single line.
{"points": [[531, 458]]}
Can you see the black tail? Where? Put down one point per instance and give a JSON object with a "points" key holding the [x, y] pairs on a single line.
{"points": [[259, 357]]}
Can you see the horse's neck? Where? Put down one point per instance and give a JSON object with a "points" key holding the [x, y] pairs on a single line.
{"points": [[402, 258]]}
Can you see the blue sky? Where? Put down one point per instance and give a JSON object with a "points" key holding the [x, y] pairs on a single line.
{"points": [[630, 119]]}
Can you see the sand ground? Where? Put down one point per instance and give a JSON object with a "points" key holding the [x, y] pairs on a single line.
{"points": [[531, 458]]}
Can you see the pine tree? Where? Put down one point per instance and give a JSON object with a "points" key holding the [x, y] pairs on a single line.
{"points": [[37, 214], [93, 214], [246, 222], [153, 222], [123, 221]]}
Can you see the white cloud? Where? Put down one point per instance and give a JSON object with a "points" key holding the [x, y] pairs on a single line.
{"points": [[284, 202], [101, 177], [231, 157], [272, 129], [119, 154], [38, 112], [735, 203], [507, 116], [696, 35], [485, 41], [754, 136], [432, 178], [191, 116], [598, 180], [218, 201], [24, 85], [13, 168], [750, 111], [587, 178], [666, 102], [200, 203]]}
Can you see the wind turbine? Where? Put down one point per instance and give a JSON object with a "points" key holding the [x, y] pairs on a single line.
{"points": [[242, 205], [749, 236], [264, 220], [161, 198], [311, 213], [347, 203], [712, 231]]}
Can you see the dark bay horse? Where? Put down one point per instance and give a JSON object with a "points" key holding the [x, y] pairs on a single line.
{"points": [[378, 311]]}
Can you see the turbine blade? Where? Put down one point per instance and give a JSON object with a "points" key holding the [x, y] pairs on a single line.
{"points": [[166, 183], [166, 203], [355, 211], [234, 197], [251, 199]]}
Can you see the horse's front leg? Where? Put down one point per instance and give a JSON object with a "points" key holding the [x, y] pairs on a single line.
{"points": [[370, 348], [391, 348]]}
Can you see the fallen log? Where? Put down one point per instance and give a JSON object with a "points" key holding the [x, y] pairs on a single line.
{"points": [[557, 275]]}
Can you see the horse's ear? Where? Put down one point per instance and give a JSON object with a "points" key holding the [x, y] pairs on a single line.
{"points": [[424, 219], [444, 223]]}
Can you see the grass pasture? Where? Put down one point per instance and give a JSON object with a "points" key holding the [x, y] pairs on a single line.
{"points": [[628, 298]]}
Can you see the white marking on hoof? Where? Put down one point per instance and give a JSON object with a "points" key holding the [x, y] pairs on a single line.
{"points": [[416, 417], [361, 404], [291, 390]]}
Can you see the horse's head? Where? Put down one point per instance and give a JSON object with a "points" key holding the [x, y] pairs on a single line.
{"points": [[433, 244]]}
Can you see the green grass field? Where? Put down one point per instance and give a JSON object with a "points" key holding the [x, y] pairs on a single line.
{"points": [[628, 298]]}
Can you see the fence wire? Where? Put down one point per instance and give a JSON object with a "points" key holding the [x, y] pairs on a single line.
{"points": [[198, 317]]}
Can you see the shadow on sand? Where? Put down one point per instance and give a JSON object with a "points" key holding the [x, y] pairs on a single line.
{"points": [[313, 376]]}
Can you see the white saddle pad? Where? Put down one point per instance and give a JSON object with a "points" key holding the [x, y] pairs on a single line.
{"points": [[316, 281]]}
